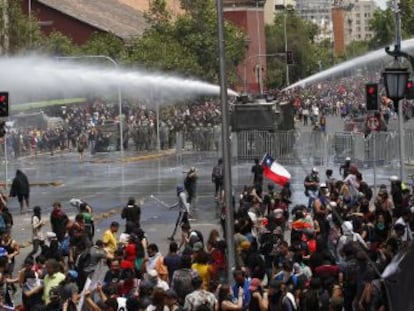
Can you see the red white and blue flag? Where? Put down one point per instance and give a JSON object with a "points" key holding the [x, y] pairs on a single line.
{"points": [[274, 171]]}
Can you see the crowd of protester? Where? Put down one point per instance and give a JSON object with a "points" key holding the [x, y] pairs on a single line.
{"points": [[327, 253], [97, 123]]}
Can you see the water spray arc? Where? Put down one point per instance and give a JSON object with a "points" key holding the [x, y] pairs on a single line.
{"points": [[121, 125]]}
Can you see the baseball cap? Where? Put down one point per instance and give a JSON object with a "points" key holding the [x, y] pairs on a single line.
{"points": [[198, 246], [254, 284]]}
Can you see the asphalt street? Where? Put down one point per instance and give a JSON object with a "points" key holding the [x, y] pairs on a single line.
{"points": [[107, 180]]}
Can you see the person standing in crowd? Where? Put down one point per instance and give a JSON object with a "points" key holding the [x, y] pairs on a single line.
{"points": [[37, 234], [52, 279], [109, 238], [311, 184], [190, 185], [257, 171], [344, 168], [132, 215], [82, 145], [184, 210], [59, 221], [21, 189], [217, 178]]}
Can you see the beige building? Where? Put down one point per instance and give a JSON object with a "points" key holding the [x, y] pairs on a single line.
{"points": [[357, 18], [273, 6]]}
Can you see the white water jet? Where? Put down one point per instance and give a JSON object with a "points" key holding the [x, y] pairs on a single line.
{"points": [[359, 61], [34, 76]]}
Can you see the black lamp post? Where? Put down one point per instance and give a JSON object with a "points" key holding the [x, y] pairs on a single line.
{"points": [[395, 82]]}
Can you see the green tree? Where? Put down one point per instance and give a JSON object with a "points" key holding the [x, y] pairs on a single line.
{"points": [[383, 25], [187, 44], [58, 44], [18, 33], [300, 40], [104, 44]]}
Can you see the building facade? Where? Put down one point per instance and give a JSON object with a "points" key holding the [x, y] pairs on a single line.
{"points": [[351, 20], [249, 16], [272, 7]]}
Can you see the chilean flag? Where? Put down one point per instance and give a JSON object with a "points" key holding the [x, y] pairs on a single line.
{"points": [[274, 171]]}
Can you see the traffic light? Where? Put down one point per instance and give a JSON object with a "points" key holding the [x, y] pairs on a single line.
{"points": [[371, 92], [409, 89], [4, 104], [289, 57]]}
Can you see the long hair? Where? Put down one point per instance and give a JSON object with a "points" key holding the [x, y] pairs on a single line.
{"points": [[37, 211]]}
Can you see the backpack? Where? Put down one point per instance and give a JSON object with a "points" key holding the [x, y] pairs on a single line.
{"points": [[351, 273], [64, 246], [218, 172], [8, 218], [83, 260], [197, 237]]}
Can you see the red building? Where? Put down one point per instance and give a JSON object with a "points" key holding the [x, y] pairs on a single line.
{"points": [[249, 16], [79, 19]]}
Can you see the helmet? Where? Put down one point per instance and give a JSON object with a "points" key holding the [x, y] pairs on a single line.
{"points": [[348, 159], [315, 170]]}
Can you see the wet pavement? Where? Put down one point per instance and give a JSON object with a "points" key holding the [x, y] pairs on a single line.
{"points": [[106, 182]]}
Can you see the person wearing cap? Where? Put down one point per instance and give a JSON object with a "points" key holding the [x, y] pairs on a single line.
{"points": [[344, 168], [311, 184], [31, 286], [70, 290], [190, 185], [132, 215]]}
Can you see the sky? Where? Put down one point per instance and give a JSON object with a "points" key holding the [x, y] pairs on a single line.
{"points": [[381, 3]]}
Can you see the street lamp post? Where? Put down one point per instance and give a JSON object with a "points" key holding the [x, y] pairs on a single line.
{"points": [[286, 44], [121, 123], [395, 80], [231, 257]]}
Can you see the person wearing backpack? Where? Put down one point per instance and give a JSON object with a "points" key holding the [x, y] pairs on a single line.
{"points": [[349, 276]]}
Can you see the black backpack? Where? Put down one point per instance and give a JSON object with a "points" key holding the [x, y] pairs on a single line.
{"points": [[351, 273], [83, 260]]}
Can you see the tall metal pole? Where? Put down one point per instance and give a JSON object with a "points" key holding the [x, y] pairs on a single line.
{"points": [[226, 145], [6, 162], [400, 103], [121, 122], [286, 44]]}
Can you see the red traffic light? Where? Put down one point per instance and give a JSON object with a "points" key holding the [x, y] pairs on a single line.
{"points": [[2, 98], [371, 90], [410, 84]]}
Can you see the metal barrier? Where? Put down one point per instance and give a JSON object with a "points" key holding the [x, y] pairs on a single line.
{"points": [[318, 148]]}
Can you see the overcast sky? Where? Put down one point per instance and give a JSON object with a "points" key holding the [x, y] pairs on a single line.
{"points": [[381, 3]]}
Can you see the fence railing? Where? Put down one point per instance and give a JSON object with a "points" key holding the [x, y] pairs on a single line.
{"points": [[318, 148]]}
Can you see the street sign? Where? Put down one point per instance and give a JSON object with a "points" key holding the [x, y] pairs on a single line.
{"points": [[374, 123]]}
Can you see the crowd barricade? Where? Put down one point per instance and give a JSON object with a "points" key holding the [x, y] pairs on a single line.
{"points": [[319, 149]]}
